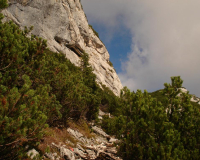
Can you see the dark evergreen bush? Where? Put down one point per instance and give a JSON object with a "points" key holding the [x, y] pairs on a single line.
{"points": [[39, 88], [151, 130]]}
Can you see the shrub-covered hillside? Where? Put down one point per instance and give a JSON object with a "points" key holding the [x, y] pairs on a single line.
{"points": [[159, 96], [39, 88], [150, 129]]}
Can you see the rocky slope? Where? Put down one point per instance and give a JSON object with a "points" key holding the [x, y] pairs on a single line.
{"points": [[77, 146], [64, 25]]}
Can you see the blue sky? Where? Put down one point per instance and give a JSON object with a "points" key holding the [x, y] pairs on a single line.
{"points": [[118, 45], [150, 41]]}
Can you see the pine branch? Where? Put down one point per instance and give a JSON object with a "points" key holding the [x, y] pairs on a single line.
{"points": [[14, 142], [6, 66]]}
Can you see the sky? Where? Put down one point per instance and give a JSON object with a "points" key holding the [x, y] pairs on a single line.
{"points": [[150, 41]]}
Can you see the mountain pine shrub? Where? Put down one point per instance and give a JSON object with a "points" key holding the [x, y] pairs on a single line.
{"points": [[149, 129], [39, 88]]}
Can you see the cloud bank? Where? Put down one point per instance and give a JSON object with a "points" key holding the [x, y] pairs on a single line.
{"points": [[165, 39]]}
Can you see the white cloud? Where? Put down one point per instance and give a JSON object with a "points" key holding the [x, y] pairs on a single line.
{"points": [[165, 39]]}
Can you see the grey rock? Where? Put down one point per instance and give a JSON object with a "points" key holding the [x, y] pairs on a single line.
{"points": [[64, 152], [80, 148], [52, 156], [69, 142], [99, 117], [64, 24], [113, 140], [92, 147], [80, 153], [79, 136], [193, 98], [75, 133], [107, 156], [112, 150], [101, 113], [33, 153], [96, 148], [100, 131], [91, 154]]}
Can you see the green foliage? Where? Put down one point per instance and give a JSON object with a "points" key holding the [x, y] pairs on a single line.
{"points": [[162, 98], [110, 63], [3, 4], [185, 118], [25, 105], [159, 96], [95, 32], [145, 125], [39, 88], [153, 130], [114, 126], [109, 101]]}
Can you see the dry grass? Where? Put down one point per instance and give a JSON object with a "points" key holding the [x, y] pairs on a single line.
{"points": [[82, 127], [62, 137], [57, 136], [104, 108]]}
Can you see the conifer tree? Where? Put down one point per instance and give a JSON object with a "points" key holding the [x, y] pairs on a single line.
{"points": [[150, 130], [89, 79], [185, 117], [24, 107], [3, 4]]}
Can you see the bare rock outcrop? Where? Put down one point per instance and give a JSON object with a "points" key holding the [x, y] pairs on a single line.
{"points": [[64, 25], [78, 145], [193, 98], [98, 148]]}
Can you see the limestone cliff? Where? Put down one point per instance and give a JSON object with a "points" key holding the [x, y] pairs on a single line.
{"points": [[64, 25]]}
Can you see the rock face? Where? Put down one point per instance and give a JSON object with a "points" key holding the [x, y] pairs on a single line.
{"points": [[64, 25]]}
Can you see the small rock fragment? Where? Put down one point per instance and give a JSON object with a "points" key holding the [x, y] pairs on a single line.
{"points": [[33, 153]]}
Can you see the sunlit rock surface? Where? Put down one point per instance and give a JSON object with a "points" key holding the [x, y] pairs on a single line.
{"points": [[64, 24]]}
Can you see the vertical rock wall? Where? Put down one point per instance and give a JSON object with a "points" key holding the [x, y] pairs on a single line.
{"points": [[64, 24]]}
